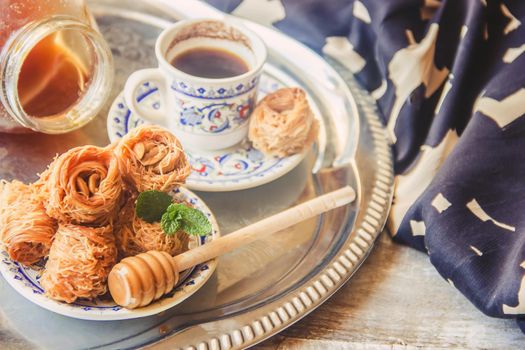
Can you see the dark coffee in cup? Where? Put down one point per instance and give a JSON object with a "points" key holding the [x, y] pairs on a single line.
{"points": [[210, 62]]}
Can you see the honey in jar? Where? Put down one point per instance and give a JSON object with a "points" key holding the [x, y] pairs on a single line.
{"points": [[52, 78], [55, 68]]}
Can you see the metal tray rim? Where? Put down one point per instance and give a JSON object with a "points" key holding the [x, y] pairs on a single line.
{"points": [[339, 270], [297, 304]]}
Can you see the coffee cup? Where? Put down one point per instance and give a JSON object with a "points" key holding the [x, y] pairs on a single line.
{"points": [[207, 77]]}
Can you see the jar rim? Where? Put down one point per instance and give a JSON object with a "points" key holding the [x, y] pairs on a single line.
{"points": [[14, 54]]}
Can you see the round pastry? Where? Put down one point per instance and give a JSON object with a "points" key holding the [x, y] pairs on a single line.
{"points": [[152, 158], [79, 262], [283, 124], [82, 186]]}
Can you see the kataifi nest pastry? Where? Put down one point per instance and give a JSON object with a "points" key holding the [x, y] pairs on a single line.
{"points": [[283, 124]]}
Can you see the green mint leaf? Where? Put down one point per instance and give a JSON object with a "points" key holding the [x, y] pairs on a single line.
{"points": [[195, 222], [151, 205], [190, 220], [171, 222]]}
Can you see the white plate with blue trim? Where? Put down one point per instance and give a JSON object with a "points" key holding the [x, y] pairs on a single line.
{"points": [[26, 281], [236, 168]]}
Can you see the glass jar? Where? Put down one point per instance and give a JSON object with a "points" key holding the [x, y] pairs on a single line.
{"points": [[56, 70]]}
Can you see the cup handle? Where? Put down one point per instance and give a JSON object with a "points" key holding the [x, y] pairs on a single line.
{"points": [[135, 80]]}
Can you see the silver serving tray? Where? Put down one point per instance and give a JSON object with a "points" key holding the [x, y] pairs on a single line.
{"points": [[265, 287]]}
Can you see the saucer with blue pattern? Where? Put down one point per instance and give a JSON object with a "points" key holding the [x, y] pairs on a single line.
{"points": [[236, 168]]}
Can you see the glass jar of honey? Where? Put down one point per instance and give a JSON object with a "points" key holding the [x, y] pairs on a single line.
{"points": [[56, 70]]}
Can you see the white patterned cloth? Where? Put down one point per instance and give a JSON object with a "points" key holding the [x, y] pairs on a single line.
{"points": [[449, 79]]}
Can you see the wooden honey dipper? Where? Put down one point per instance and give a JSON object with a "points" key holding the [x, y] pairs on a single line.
{"points": [[138, 280]]}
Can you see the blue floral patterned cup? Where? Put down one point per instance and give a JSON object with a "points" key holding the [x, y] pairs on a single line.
{"points": [[204, 113]]}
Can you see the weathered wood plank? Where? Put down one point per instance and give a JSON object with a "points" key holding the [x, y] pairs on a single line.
{"points": [[397, 300]]}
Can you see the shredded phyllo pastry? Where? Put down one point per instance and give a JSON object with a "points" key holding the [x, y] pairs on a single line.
{"points": [[83, 193], [135, 236], [151, 158], [82, 186], [79, 262], [26, 230], [283, 124]]}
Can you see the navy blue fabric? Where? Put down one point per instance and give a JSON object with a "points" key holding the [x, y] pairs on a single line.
{"points": [[458, 131]]}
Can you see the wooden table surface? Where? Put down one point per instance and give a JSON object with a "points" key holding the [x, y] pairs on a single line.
{"points": [[397, 300]]}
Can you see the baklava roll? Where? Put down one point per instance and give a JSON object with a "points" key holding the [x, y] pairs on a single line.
{"points": [[82, 186], [26, 231], [79, 262], [283, 124], [152, 158]]}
